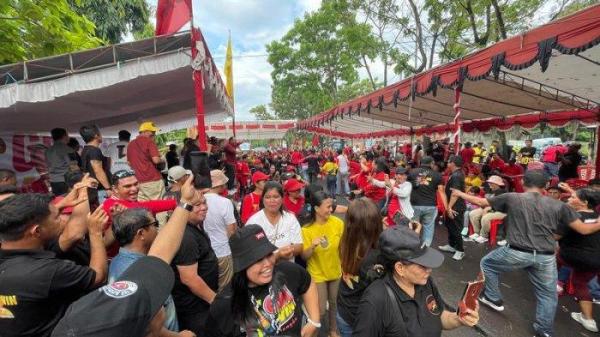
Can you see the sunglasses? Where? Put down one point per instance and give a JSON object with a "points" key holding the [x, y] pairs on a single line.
{"points": [[122, 174]]}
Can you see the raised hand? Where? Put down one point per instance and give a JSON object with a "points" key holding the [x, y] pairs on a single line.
{"points": [[189, 194], [97, 221]]}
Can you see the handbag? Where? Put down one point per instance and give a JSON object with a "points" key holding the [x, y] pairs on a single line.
{"points": [[384, 210]]}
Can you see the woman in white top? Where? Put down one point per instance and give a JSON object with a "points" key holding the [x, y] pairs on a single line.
{"points": [[280, 226], [400, 190]]}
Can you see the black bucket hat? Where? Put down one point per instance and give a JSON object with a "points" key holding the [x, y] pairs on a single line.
{"points": [[403, 244], [249, 245]]}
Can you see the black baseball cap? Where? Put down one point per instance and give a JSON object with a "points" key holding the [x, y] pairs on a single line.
{"points": [[249, 245], [426, 161], [456, 160], [401, 243], [123, 308], [401, 170]]}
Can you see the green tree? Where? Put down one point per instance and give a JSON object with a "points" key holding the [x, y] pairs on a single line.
{"points": [[37, 28], [261, 113], [319, 55], [115, 19]]}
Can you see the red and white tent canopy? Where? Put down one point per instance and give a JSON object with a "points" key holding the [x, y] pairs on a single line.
{"points": [[550, 74], [116, 87], [255, 130]]}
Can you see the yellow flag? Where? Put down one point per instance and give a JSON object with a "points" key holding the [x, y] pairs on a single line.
{"points": [[229, 69]]}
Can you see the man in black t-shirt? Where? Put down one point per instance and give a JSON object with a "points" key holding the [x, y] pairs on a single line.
{"points": [[196, 274], [426, 183], [455, 209], [569, 163], [532, 221], [95, 163], [526, 154], [35, 287]]}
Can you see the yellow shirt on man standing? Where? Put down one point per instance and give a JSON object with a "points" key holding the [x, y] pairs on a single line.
{"points": [[325, 264]]}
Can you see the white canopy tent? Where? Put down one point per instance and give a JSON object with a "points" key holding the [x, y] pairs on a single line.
{"points": [[116, 87]]}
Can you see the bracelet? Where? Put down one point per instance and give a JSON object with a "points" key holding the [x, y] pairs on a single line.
{"points": [[313, 323]]}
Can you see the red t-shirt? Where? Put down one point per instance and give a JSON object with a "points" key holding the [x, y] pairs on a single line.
{"points": [[296, 158], [373, 192], [354, 167], [139, 155], [250, 206], [154, 206], [512, 170], [242, 172], [230, 152], [293, 207], [467, 155], [497, 164]]}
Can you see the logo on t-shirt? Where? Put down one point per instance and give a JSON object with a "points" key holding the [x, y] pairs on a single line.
{"points": [[120, 289], [7, 300], [432, 305], [276, 312]]}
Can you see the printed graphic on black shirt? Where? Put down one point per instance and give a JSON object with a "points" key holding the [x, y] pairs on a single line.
{"points": [[432, 305], [5, 301], [276, 312]]}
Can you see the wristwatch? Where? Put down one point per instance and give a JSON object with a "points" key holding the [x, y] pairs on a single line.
{"points": [[186, 206]]}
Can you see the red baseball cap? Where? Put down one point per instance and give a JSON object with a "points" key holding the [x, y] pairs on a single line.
{"points": [[258, 176], [293, 185]]}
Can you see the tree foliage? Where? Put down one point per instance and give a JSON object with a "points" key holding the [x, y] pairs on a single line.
{"points": [[321, 55], [318, 57], [37, 28], [261, 113], [115, 19]]}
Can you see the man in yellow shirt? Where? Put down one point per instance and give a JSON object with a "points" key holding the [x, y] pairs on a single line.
{"points": [[478, 148]]}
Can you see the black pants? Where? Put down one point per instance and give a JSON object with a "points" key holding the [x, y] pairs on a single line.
{"points": [[230, 173], [59, 188], [195, 322], [312, 177], [455, 226]]}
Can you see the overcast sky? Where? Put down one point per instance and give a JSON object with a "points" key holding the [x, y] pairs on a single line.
{"points": [[253, 24]]}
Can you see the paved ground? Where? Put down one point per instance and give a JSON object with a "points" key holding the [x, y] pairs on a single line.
{"points": [[519, 301]]}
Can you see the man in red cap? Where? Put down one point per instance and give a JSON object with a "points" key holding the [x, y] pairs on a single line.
{"points": [[293, 200], [251, 202]]}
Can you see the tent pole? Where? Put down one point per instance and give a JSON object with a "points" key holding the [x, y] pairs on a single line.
{"points": [[199, 92], [457, 94], [597, 154]]}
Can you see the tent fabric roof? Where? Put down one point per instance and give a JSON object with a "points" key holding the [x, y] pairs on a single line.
{"points": [[255, 130], [497, 81], [116, 87]]}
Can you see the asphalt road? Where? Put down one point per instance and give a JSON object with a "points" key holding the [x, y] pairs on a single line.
{"points": [[517, 318]]}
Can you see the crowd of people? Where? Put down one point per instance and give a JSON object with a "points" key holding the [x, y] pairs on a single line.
{"points": [[231, 244]]}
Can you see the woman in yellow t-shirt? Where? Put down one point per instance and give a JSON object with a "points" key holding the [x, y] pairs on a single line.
{"points": [[321, 242]]}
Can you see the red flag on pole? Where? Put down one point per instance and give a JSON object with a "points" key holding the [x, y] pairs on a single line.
{"points": [[171, 15]]}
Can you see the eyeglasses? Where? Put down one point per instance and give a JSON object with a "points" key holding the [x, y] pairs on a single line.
{"points": [[153, 224], [122, 174]]}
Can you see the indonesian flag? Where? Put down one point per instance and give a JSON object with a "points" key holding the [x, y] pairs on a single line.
{"points": [[171, 15]]}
